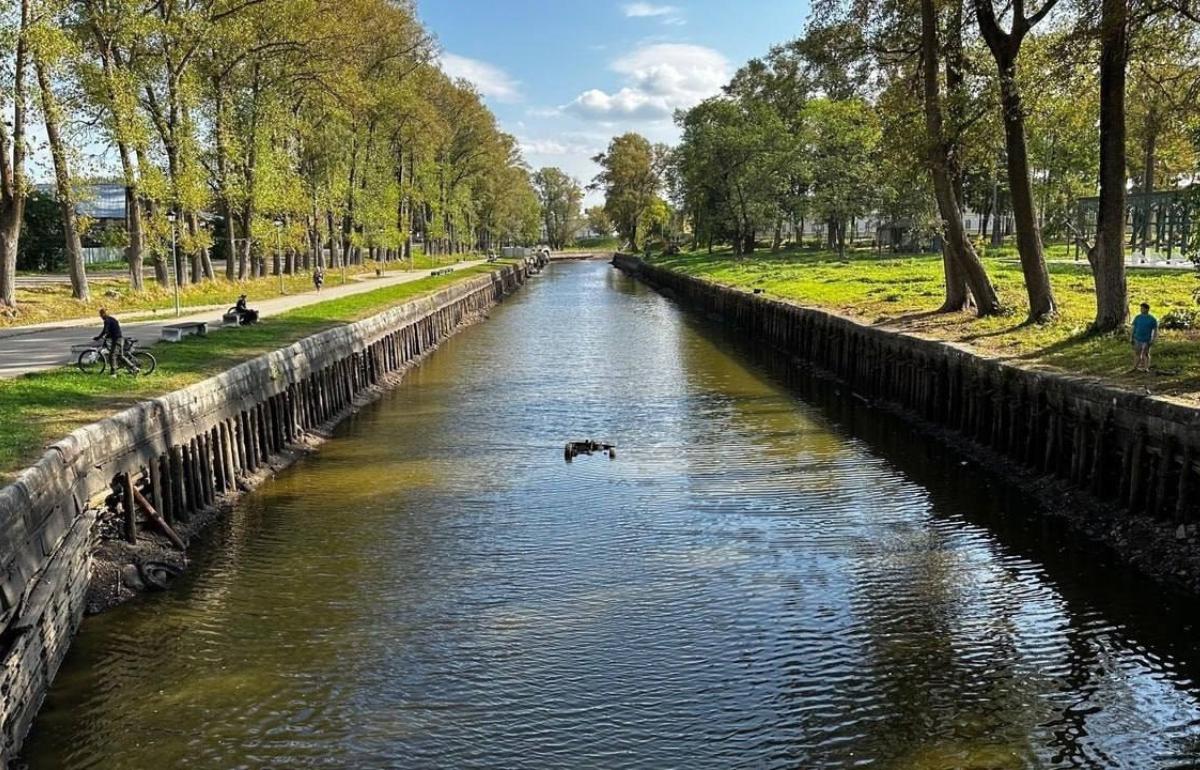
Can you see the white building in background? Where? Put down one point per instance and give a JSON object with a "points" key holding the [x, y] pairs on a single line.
{"points": [[105, 204]]}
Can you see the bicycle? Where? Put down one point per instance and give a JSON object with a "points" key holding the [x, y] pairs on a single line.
{"points": [[94, 360]]}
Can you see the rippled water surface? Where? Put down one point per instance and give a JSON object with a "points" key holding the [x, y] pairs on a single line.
{"points": [[768, 575]]}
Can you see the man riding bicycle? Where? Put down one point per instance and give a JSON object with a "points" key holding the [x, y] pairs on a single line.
{"points": [[115, 342]]}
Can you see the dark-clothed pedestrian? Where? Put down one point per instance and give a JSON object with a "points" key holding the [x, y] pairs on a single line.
{"points": [[244, 313]]}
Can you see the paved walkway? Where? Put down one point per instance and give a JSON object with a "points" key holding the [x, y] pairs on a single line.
{"points": [[26, 349]]}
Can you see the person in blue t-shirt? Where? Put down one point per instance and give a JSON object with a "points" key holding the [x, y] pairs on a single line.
{"points": [[1145, 332]]}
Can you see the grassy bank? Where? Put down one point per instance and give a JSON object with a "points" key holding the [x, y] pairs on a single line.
{"points": [[37, 409], [53, 302], [904, 291]]}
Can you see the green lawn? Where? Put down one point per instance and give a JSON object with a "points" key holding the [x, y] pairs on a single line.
{"points": [[903, 290], [594, 244], [38, 409]]}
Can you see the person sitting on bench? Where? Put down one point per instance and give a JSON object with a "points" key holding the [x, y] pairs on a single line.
{"points": [[245, 315]]}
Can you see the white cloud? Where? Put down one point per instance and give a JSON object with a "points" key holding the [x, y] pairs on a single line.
{"points": [[667, 14], [556, 147], [491, 81], [660, 78]]}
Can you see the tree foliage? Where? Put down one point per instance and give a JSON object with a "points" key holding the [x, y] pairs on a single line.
{"points": [[561, 199], [319, 133], [631, 178], [913, 112]]}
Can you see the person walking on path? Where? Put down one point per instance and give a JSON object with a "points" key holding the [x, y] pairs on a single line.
{"points": [[112, 337], [1145, 332], [318, 279]]}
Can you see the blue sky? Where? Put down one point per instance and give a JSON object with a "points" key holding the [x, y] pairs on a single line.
{"points": [[564, 76]]}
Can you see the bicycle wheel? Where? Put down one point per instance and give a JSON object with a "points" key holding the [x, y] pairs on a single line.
{"points": [[145, 362], [92, 362]]}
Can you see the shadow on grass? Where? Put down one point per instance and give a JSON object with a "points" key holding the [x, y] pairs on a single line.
{"points": [[1028, 323], [907, 318], [1061, 346]]}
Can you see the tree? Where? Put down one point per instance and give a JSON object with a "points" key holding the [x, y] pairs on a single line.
{"points": [[843, 143], [1107, 255], [12, 155], [1063, 134], [108, 31], [729, 166], [598, 221], [49, 48], [43, 245], [1005, 48], [630, 177], [959, 253], [560, 198]]}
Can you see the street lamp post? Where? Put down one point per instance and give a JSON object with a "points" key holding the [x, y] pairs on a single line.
{"points": [[174, 262], [279, 253]]}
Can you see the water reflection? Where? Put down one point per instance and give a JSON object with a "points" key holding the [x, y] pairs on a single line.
{"points": [[770, 575]]}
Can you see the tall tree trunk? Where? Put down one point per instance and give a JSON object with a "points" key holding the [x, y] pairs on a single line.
{"points": [[1149, 147], [203, 259], [244, 250], [134, 226], [958, 297], [224, 164], [230, 235], [134, 223], [1107, 256], [335, 243], [160, 258], [961, 253], [12, 167], [1029, 237], [52, 117], [1005, 48]]}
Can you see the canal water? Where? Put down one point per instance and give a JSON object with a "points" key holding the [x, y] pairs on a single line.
{"points": [[768, 575]]}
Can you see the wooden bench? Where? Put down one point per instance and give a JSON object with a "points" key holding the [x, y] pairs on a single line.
{"points": [[176, 332]]}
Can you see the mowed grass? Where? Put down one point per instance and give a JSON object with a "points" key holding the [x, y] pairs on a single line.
{"points": [[53, 302], [905, 290], [38, 409]]}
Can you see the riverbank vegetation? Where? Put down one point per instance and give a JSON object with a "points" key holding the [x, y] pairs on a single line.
{"points": [[898, 291], [40, 408], [277, 137], [912, 127]]}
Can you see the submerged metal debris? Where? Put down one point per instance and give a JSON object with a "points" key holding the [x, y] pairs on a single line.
{"points": [[575, 448]]}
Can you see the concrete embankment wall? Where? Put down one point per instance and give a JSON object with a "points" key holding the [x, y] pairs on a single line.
{"points": [[186, 449], [1139, 453]]}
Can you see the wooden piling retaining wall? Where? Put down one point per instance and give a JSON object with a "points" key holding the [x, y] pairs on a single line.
{"points": [[1135, 451], [186, 449]]}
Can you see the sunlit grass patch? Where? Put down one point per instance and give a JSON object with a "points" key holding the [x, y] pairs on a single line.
{"points": [[902, 291]]}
